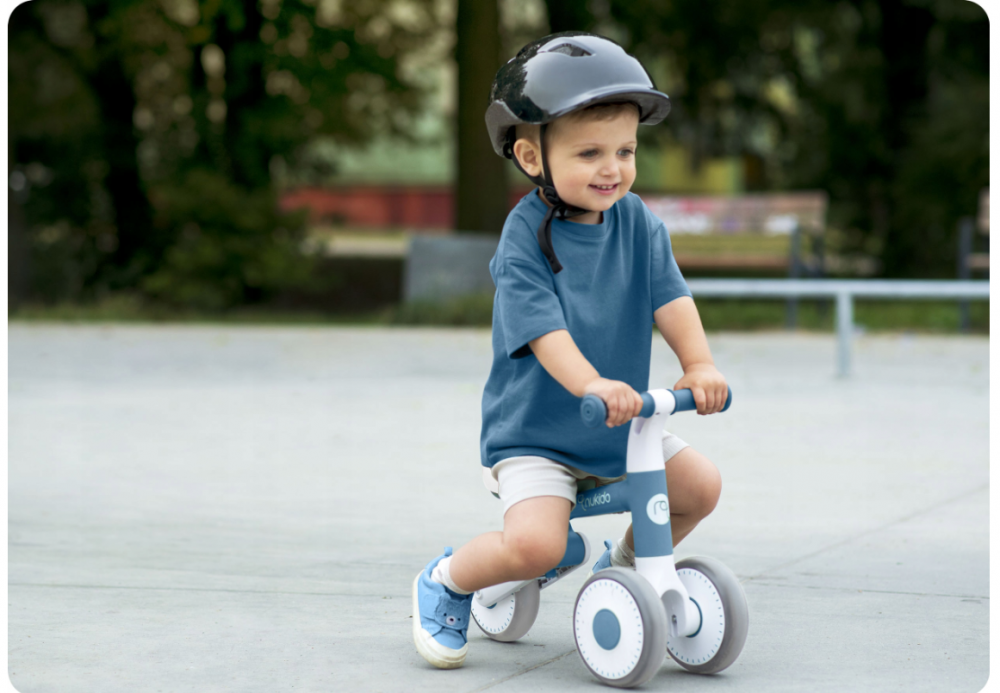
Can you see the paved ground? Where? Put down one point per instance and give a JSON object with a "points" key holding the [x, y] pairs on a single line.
{"points": [[243, 509]]}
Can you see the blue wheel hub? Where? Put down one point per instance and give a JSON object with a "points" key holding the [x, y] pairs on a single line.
{"points": [[607, 630]]}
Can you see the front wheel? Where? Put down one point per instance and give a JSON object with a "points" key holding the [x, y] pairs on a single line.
{"points": [[725, 619], [510, 618], [620, 627]]}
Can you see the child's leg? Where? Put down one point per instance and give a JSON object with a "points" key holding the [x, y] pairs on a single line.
{"points": [[532, 542], [693, 488], [538, 495]]}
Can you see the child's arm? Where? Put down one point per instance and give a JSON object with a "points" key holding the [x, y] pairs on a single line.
{"points": [[560, 356], [680, 325]]}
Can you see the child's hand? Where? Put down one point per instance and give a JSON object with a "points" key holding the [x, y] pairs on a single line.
{"points": [[707, 385], [622, 401]]}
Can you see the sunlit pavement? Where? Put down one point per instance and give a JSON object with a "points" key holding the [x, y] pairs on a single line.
{"points": [[244, 509]]}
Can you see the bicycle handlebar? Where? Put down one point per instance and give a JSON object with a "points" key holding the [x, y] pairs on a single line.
{"points": [[594, 412]]}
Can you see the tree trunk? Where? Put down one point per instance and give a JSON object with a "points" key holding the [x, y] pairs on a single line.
{"points": [[568, 15], [903, 41], [248, 160], [138, 245], [481, 180]]}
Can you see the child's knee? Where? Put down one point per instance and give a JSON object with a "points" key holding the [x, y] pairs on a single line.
{"points": [[709, 489], [536, 553], [695, 483]]}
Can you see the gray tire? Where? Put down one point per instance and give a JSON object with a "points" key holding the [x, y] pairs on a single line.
{"points": [[510, 618], [725, 617], [620, 627]]}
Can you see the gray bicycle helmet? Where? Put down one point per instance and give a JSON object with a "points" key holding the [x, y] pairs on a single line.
{"points": [[556, 75]]}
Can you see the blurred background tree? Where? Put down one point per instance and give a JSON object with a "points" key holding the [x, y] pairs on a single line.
{"points": [[145, 136], [480, 176]]}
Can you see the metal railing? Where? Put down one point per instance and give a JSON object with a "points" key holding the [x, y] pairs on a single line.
{"points": [[844, 291]]}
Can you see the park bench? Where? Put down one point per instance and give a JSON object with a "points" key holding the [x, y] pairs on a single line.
{"points": [[756, 232], [764, 232]]}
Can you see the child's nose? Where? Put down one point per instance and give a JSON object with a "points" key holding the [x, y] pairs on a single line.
{"points": [[609, 167]]}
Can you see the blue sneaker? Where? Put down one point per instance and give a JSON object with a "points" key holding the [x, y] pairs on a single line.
{"points": [[440, 619], [604, 561]]}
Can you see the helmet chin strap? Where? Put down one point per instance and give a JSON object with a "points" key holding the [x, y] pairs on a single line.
{"points": [[557, 210]]}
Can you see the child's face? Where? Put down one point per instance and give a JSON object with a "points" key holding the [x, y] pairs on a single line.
{"points": [[593, 161]]}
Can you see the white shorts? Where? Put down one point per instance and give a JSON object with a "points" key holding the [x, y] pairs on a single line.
{"points": [[519, 478]]}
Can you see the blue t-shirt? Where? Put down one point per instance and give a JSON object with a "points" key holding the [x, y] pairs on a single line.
{"points": [[615, 275]]}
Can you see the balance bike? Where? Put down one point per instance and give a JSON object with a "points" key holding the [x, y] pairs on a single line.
{"points": [[625, 621]]}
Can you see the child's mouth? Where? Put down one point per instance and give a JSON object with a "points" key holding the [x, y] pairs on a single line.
{"points": [[605, 189]]}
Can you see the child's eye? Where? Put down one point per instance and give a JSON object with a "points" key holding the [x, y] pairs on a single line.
{"points": [[626, 152], [589, 153]]}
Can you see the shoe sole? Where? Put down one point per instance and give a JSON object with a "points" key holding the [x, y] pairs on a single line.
{"points": [[430, 649]]}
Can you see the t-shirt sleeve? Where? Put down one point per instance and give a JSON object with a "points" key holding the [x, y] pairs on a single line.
{"points": [[528, 306], [666, 282]]}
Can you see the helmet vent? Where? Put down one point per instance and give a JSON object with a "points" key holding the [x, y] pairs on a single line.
{"points": [[570, 50]]}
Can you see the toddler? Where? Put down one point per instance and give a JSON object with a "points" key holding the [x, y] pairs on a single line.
{"points": [[582, 270]]}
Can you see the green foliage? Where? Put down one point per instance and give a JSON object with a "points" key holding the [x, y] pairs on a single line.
{"points": [[720, 315], [234, 247], [894, 123], [109, 308], [475, 310], [144, 135]]}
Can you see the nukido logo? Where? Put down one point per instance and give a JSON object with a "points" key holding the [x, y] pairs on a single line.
{"points": [[594, 501], [658, 509]]}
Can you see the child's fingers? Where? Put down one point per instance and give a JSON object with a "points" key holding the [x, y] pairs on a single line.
{"points": [[623, 405], [699, 399], [619, 413], [720, 397], [612, 402], [710, 401], [624, 410]]}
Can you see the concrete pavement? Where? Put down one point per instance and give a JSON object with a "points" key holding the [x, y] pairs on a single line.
{"points": [[220, 508]]}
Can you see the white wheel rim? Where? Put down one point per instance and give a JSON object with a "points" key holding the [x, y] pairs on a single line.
{"points": [[705, 644], [495, 620], [622, 659]]}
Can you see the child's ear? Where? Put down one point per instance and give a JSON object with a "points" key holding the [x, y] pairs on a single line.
{"points": [[528, 156]]}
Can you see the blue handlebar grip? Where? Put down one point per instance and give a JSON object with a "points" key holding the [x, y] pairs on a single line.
{"points": [[685, 400], [648, 405], [592, 411]]}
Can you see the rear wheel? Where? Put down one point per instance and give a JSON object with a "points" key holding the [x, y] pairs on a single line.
{"points": [[725, 618], [510, 618]]}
